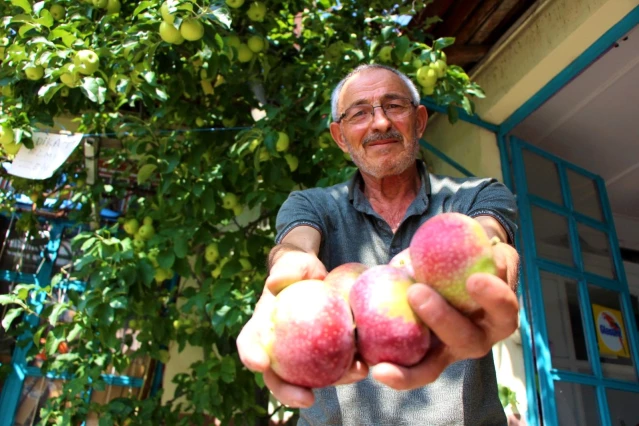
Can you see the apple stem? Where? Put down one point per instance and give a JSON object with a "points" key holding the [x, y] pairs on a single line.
{"points": [[495, 240]]}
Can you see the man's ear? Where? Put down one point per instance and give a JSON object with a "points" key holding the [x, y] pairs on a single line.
{"points": [[336, 133], [422, 120]]}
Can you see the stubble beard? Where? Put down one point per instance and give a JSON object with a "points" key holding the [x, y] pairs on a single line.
{"points": [[382, 169]]}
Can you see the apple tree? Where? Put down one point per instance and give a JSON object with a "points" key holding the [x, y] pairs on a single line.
{"points": [[207, 115]]}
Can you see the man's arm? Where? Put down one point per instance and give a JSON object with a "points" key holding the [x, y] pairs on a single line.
{"points": [[295, 259]]}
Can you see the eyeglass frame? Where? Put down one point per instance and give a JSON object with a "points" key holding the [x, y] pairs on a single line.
{"points": [[341, 117]]}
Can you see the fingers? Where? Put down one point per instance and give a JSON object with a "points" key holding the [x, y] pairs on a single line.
{"points": [[293, 267], [425, 372], [507, 263], [358, 371], [287, 394], [454, 329], [500, 313], [251, 352]]}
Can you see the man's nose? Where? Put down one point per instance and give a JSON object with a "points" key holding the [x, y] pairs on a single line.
{"points": [[380, 119]]}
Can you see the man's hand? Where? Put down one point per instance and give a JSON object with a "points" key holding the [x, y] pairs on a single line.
{"points": [[460, 337], [290, 267]]}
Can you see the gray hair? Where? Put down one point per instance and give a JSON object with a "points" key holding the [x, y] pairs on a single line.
{"points": [[338, 89]]}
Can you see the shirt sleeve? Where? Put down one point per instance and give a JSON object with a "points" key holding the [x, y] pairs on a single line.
{"points": [[495, 199], [297, 210]]}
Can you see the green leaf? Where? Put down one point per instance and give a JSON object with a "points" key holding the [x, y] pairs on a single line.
{"points": [[48, 90], [45, 19], [219, 15], [24, 4], [75, 332], [55, 313], [6, 299], [143, 6], [180, 245], [145, 172], [387, 32], [94, 89], [10, 316], [166, 259], [401, 47], [443, 42]]}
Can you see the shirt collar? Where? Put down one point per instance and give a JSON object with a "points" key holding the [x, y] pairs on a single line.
{"points": [[356, 196]]}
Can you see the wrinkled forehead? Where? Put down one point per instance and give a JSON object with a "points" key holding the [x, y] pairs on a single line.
{"points": [[371, 85]]}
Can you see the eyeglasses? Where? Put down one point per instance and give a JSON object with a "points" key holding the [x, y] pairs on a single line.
{"points": [[362, 114]]}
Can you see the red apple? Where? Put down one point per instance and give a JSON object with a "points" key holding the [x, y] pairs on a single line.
{"points": [[446, 250], [311, 340], [402, 261], [387, 328], [344, 276]]}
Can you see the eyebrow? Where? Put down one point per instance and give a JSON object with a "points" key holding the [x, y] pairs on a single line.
{"points": [[384, 97]]}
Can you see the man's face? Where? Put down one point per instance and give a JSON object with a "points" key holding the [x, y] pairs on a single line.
{"points": [[380, 147]]}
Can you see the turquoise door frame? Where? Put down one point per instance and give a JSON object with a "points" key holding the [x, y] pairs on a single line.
{"points": [[535, 264], [599, 47]]}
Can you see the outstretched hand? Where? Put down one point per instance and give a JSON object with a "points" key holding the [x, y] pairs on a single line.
{"points": [[460, 337], [291, 267]]}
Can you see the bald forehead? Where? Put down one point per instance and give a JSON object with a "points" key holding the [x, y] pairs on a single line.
{"points": [[367, 84]]}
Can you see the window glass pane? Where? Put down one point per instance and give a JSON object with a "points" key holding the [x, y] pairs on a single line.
{"points": [[35, 393], [612, 337], [542, 177], [623, 407], [576, 404], [551, 236], [564, 324], [585, 195], [595, 251]]}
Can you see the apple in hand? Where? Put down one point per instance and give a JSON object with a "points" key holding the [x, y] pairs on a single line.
{"points": [[310, 339], [446, 250], [387, 328], [344, 276]]}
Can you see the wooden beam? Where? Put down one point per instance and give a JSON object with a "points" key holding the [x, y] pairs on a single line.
{"points": [[463, 55], [503, 10], [476, 20], [459, 13], [436, 8]]}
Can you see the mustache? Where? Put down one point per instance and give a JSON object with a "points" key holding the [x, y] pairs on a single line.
{"points": [[392, 134]]}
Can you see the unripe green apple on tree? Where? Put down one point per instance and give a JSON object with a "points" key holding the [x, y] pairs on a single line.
{"points": [[86, 61], [256, 11]]}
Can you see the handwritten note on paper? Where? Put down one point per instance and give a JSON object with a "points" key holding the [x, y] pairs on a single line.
{"points": [[50, 151]]}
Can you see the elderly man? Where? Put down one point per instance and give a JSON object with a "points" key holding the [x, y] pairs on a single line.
{"points": [[378, 120]]}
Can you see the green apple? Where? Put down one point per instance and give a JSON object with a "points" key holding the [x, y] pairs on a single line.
{"points": [[131, 226], [11, 148], [138, 242], [426, 76], [428, 90], [6, 135], [170, 34], [207, 87], [153, 256], [168, 16], [229, 121], [211, 253], [148, 220], [192, 29], [237, 210], [244, 53], [162, 274], [70, 79], [442, 56], [384, 54], [264, 155], [57, 12], [256, 43], [232, 41], [256, 11], [86, 61], [440, 68], [234, 3], [113, 6], [282, 142], [146, 232], [100, 4], [7, 91], [292, 161], [199, 122], [34, 73], [229, 200]]}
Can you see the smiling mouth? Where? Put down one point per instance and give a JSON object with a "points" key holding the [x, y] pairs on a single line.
{"points": [[382, 142]]}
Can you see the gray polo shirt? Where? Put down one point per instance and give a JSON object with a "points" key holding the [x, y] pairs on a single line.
{"points": [[466, 392]]}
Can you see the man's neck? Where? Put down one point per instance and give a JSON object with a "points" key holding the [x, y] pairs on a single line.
{"points": [[390, 196], [392, 188]]}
